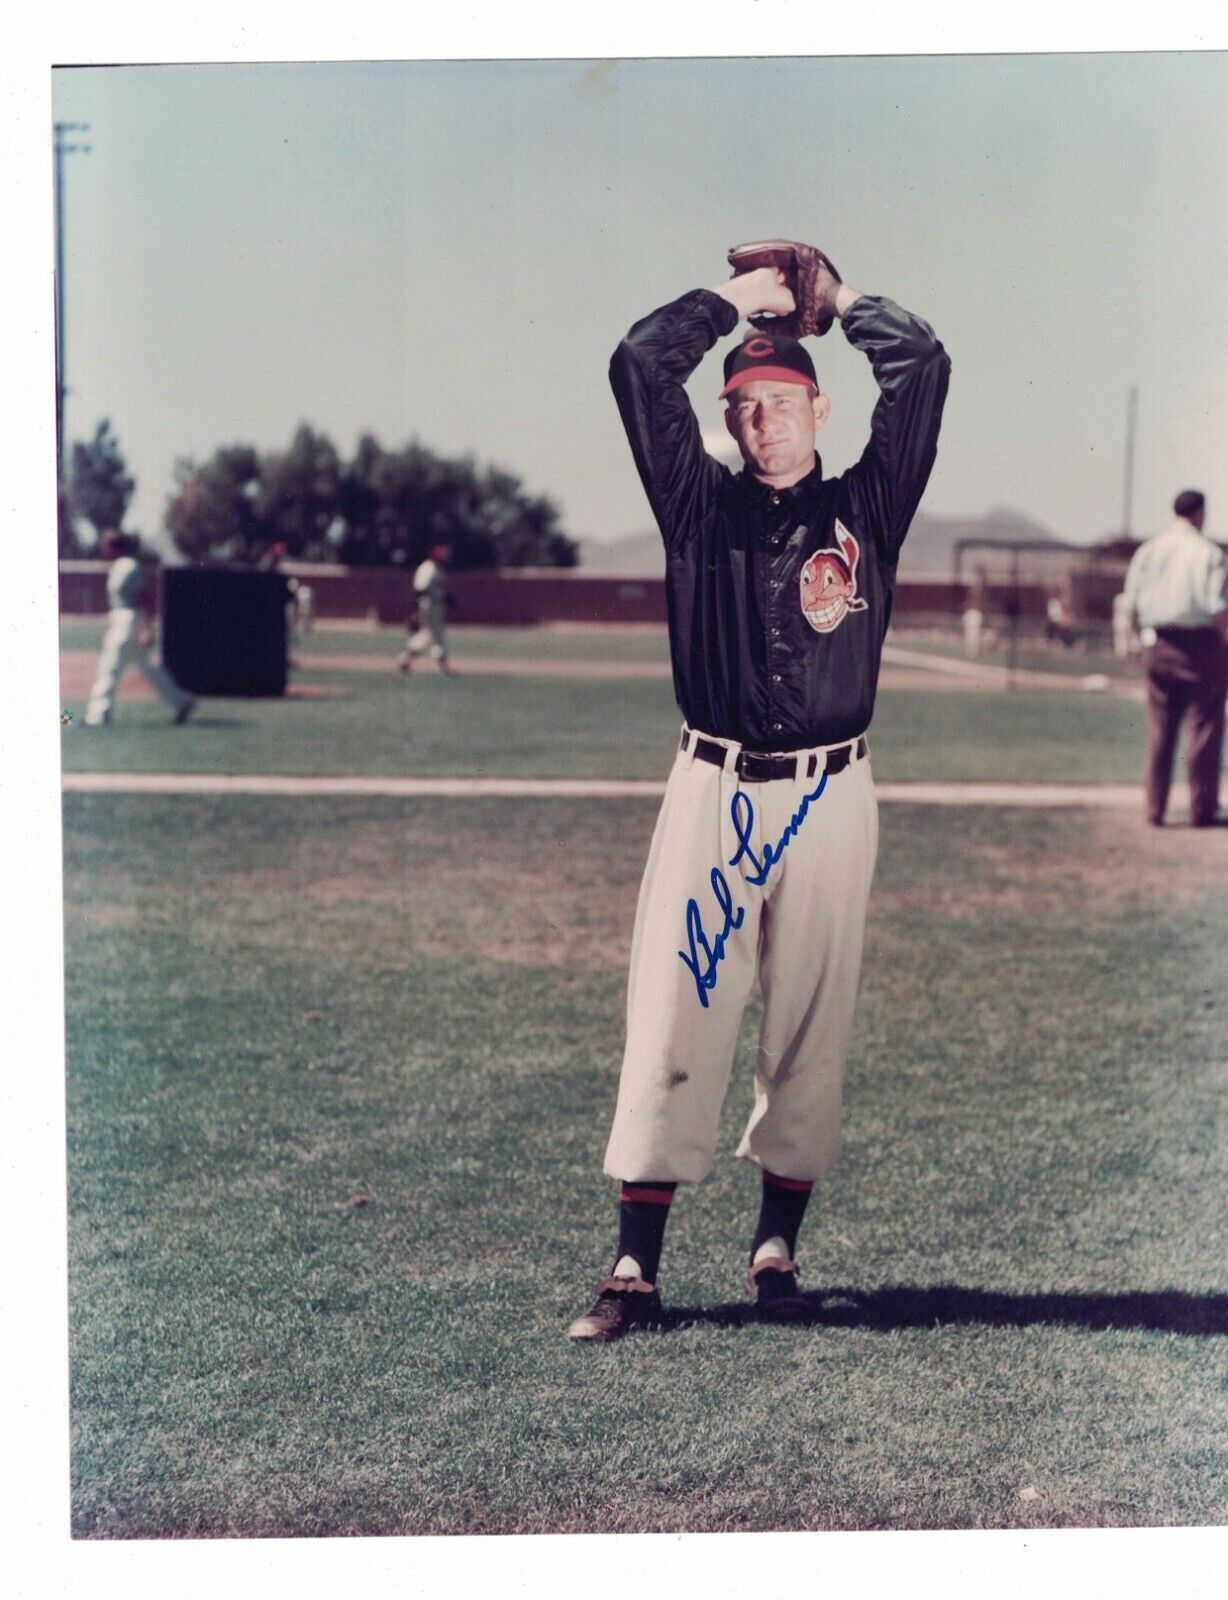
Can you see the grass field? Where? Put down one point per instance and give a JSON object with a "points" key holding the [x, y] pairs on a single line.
{"points": [[386, 643], [339, 1080], [275, 1007], [1032, 652], [478, 723], [640, 644], [556, 727]]}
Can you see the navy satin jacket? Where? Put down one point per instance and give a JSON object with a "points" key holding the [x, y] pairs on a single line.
{"points": [[779, 600]]}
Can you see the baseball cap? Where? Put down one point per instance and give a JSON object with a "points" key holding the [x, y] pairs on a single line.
{"points": [[767, 358]]}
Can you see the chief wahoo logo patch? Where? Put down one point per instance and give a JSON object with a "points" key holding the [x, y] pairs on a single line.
{"points": [[829, 583]]}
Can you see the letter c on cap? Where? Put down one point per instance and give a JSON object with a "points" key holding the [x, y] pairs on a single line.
{"points": [[759, 347]]}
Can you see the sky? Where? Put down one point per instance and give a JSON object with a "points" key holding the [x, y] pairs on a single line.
{"points": [[450, 250]]}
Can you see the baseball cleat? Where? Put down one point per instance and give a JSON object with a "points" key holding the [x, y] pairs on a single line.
{"points": [[773, 1283], [621, 1304], [185, 711]]}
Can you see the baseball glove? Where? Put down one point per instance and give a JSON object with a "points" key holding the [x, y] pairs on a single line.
{"points": [[803, 267]]}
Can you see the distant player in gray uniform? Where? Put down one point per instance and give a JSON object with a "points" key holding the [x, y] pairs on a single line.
{"points": [[128, 635], [271, 561], [1177, 590], [431, 592]]}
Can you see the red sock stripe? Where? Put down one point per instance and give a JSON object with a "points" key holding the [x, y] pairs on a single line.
{"points": [[798, 1185], [653, 1197]]}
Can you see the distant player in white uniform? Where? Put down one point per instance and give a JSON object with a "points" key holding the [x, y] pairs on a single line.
{"points": [[128, 635], [974, 628], [429, 637], [974, 616], [1123, 626]]}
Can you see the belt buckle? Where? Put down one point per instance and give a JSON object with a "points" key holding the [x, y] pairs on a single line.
{"points": [[756, 768]]}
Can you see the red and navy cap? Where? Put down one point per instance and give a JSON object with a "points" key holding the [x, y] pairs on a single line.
{"points": [[767, 358]]}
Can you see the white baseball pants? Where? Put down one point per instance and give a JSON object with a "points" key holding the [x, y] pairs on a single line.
{"points": [[121, 649], [799, 929], [428, 638]]}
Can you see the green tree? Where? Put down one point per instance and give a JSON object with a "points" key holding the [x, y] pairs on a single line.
{"points": [[382, 508], [395, 505], [99, 485], [298, 497], [525, 528], [211, 514]]}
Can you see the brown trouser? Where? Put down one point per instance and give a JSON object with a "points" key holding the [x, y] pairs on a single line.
{"points": [[1187, 680]]}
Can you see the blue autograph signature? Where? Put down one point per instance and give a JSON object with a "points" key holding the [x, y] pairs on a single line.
{"points": [[701, 956]]}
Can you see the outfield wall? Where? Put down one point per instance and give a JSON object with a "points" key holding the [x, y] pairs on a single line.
{"points": [[528, 597]]}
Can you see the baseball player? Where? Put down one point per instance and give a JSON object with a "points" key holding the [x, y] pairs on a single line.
{"points": [[1177, 590], [779, 587], [271, 561], [431, 593], [128, 635], [1122, 625], [973, 621]]}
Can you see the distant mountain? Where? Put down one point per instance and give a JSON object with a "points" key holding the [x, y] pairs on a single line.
{"points": [[639, 555], [929, 550]]}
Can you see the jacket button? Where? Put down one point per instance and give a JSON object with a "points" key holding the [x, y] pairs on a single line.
{"points": [[776, 677]]}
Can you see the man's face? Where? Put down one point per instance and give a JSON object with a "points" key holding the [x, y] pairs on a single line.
{"points": [[774, 425]]}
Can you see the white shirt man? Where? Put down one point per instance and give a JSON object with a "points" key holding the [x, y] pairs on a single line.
{"points": [[1177, 589], [1177, 579]]}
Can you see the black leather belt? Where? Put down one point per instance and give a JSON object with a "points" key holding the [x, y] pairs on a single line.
{"points": [[754, 768]]}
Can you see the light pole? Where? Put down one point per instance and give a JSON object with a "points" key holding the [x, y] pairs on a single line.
{"points": [[62, 148], [1127, 494]]}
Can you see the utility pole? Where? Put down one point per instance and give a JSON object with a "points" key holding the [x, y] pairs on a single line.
{"points": [[1014, 606], [63, 132], [1128, 489]]}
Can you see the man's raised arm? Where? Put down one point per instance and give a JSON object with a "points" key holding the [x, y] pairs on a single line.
{"points": [[648, 373], [912, 371]]}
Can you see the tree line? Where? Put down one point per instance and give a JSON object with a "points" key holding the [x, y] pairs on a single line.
{"points": [[381, 508]]}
